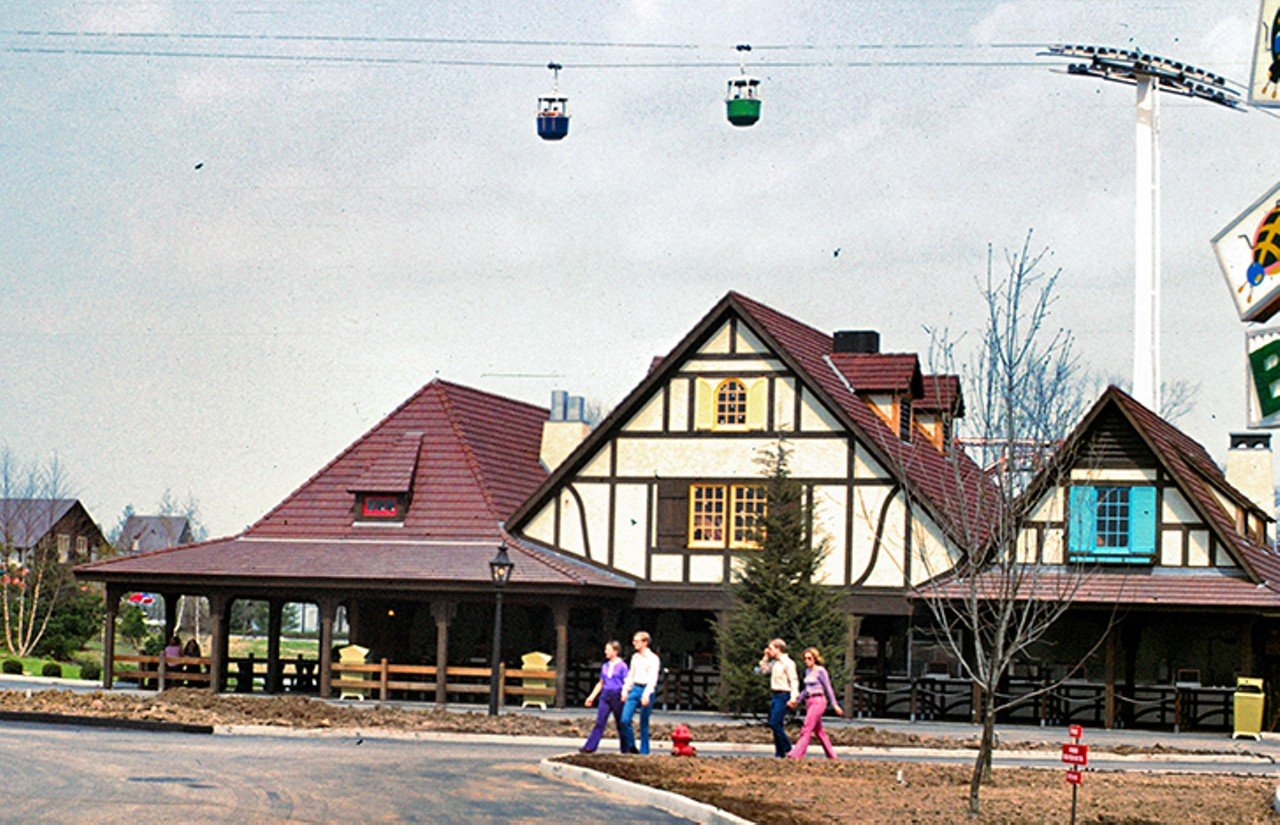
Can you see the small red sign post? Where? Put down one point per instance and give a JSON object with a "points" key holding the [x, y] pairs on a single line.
{"points": [[1076, 756]]}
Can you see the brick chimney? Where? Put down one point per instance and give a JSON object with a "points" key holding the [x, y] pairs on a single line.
{"points": [[564, 430], [1249, 468]]}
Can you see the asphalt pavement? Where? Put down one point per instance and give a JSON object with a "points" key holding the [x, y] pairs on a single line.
{"points": [[55, 773]]}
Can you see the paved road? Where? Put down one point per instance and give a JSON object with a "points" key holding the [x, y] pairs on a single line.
{"points": [[55, 773]]}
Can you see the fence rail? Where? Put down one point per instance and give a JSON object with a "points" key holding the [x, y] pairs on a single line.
{"points": [[379, 677], [1029, 700]]}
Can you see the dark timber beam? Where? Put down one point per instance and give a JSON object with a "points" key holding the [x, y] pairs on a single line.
{"points": [[328, 610], [443, 612], [560, 613], [275, 627], [114, 592]]}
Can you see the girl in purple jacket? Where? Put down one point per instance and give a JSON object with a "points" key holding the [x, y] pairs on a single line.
{"points": [[817, 693], [612, 674]]}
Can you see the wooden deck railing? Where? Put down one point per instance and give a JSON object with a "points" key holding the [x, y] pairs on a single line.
{"points": [[383, 677], [162, 671]]}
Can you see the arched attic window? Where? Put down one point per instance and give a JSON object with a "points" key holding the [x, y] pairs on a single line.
{"points": [[731, 403]]}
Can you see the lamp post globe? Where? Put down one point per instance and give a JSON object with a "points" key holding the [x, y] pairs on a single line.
{"points": [[500, 571]]}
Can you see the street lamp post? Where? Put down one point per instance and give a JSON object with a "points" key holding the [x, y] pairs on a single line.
{"points": [[500, 570]]}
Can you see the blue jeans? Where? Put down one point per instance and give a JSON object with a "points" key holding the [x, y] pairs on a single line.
{"points": [[777, 716], [625, 732]]}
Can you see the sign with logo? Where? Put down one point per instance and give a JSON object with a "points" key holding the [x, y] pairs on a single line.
{"points": [[1263, 357], [1263, 89], [1075, 731], [1248, 252], [1075, 754], [1075, 777]]}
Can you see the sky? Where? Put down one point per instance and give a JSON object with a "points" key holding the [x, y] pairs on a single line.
{"points": [[236, 235]]}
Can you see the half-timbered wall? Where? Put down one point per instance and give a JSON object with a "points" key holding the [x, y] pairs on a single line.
{"points": [[1116, 456], [628, 507]]}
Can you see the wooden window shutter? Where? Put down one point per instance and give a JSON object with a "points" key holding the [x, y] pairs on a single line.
{"points": [[1142, 520], [758, 404], [1084, 520], [673, 514], [704, 408]]}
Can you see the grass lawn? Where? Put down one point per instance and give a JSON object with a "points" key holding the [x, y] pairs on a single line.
{"points": [[31, 666]]}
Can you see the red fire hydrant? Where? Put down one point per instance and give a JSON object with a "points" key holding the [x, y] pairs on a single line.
{"points": [[680, 739]]}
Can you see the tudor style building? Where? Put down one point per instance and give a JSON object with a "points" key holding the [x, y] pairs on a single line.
{"points": [[666, 490], [642, 520]]}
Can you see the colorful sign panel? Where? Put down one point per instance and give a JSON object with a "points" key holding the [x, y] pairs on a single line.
{"points": [[1248, 251], [1263, 84], [1263, 348]]}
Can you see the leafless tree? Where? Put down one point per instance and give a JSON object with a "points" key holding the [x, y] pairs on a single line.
{"points": [[35, 575], [1177, 397], [991, 602]]}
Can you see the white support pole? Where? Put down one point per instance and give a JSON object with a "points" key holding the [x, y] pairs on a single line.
{"points": [[1146, 296]]}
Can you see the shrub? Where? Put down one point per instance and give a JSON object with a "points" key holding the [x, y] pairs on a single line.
{"points": [[91, 670], [73, 623], [51, 669], [12, 666]]}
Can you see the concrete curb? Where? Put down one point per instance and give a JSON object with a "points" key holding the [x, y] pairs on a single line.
{"points": [[151, 725], [727, 748], [672, 803]]}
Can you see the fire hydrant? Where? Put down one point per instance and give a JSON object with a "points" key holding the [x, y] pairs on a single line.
{"points": [[680, 739]]}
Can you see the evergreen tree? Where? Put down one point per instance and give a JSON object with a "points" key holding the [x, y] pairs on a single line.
{"points": [[777, 595]]}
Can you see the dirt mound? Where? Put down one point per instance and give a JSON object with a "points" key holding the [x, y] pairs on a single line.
{"points": [[817, 791]]}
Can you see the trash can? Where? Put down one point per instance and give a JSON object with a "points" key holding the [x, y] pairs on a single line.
{"points": [[1248, 701], [354, 655], [535, 661]]}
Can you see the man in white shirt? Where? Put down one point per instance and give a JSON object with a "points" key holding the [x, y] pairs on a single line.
{"points": [[785, 684], [637, 691]]}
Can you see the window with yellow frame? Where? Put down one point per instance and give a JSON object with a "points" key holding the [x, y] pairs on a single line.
{"points": [[731, 403], [725, 515]]}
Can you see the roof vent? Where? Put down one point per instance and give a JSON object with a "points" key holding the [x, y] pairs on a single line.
{"points": [[860, 340]]}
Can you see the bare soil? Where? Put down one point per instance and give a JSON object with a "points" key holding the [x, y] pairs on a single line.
{"points": [[201, 707], [817, 791]]}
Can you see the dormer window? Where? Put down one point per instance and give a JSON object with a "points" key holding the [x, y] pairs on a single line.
{"points": [[731, 403], [381, 507]]}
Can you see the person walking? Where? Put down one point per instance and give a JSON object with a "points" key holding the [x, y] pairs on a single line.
{"points": [[785, 685], [817, 693], [637, 692], [613, 673]]}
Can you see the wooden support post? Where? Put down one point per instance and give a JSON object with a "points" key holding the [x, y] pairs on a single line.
{"points": [[443, 612], [1246, 649], [851, 659], [609, 623], [109, 636], [560, 613], [275, 627], [502, 683], [219, 621], [170, 615], [162, 672], [382, 686], [328, 610], [1110, 674]]}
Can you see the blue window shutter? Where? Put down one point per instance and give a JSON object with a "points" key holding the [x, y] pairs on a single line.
{"points": [[1142, 520], [1084, 520]]}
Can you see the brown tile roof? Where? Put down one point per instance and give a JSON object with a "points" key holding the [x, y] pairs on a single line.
{"points": [[1155, 587], [391, 471], [467, 457], [476, 460], [397, 561], [941, 393], [950, 485], [880, 371]]}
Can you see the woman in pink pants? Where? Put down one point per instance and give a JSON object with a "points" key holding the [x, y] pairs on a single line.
{"points": [[817, 693]]}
